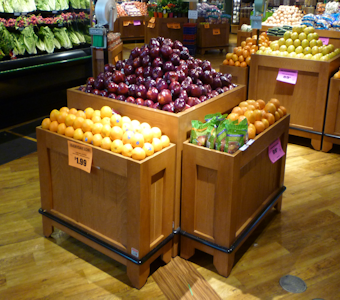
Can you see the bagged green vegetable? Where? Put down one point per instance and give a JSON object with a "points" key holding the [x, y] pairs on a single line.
{"points": [[236, 136], [200, 132]]}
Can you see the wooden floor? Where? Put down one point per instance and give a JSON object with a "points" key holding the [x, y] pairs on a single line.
{"points": [[303, 240]]}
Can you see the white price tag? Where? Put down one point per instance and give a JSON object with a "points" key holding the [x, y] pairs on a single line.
{"points": [[193, 14]]}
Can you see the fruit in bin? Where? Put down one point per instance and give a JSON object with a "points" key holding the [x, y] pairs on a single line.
{"points": [[87, 125], [127, 150], [117, 146], [165, 141], [157, 144], [78, 134], [88, 137], [164, 97], [148, 149], [46, 123], [69, 131], [138, 153]]}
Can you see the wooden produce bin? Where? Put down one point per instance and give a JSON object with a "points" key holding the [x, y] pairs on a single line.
{"points": [[332, 36], [225, 196], [240, 75], [332, 124], [122, 208], [242, 36], [132, 28], [214, 37], [166, 27], [176, 126], [305, 101]]}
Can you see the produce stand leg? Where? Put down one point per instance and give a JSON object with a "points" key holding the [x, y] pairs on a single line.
{"points": [[187, 250], [47, 226], [316, 143], [166, 256], [223, 262], [326, 146], [278, 205], [138, 274]]}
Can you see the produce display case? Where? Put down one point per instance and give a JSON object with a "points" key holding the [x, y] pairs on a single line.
{"points": [[242, 36], [213, 36], [240, 75], [167, 27], [132, 28], [306, 100], [176, 126], [226, 195], [331, 134], [122, 208]]}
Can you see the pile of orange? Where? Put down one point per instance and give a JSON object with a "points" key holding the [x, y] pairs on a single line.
{"points": [[337, 74], [241, 55], [107, 130], [260, 115]]}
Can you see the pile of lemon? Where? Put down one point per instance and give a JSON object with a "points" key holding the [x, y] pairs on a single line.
{"points": [[108, 130]]}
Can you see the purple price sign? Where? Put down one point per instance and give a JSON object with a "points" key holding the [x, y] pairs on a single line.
{"points": [[136, 22], [324, 40], [275, 151], [288, 76]]}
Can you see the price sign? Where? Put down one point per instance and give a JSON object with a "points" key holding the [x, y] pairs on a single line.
{"points": [[325, 41], [176, 26], [288, 76], [152, 20], [126, 23], [216, 31], [136, 22], [80, 156], [206, 25], [275, 151], [192, 14], [151, 25]]}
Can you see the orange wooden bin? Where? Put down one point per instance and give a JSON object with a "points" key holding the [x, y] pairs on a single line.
{"points": [[305, 101], [122, 208], [176, 126], [331, 134], [225, 196]]}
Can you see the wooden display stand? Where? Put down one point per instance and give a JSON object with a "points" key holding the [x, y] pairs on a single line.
{"points": [[305, 101], [240, 75], [333, 36], [214, 36], [115, 54], [122, 208], [332, 124], [225, 196], [176, 126], [242, 36], [166, 27], [132, 28]]}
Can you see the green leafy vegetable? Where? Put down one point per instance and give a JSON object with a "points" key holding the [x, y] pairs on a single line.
{"points": [[7, 7], [62, 36], [47, 36], [73, 37], [40, 45], [56, 43], [6, 40], [1, 54], [75, 4], [18, 40], [30, 39]]}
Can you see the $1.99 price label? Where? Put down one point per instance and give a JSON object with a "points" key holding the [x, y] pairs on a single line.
{"points": [[80, 156]]}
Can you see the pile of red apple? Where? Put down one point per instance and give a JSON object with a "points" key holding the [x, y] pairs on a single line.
{"points": [[160, 75]]}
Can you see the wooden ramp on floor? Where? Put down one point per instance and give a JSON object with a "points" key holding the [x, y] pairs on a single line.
{"points": [[179, 280]]}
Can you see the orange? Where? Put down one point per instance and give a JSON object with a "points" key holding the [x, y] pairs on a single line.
{"points": [[244, 109], [277, 116], [127, 150], [69, 131], [157, 144], [96, 112], [117, 146], [148, 135], [148, 148], [78, 122], [127, 137], [106, 143], [87, 125], [165, 141], [258, 115], [73, 111], [137, 140], [145, 125], [284, 110], [243, 64], [239, 52], [231, 62], [233, 116], [61, 128], [251, 107], [270, 117], [252, 126], [226, 62], [279, 110], [243, 104], [241, 58], [265, 123], [96, 119], [65, 109], [54, 126], [88, 137], [259, 127], [69, 120], [251, 132], [116, 120], [237, 64], [89, 112], [275, 102], [138, 153], [106, 111], [78, 134], [106, 121], [116, 133], [97, 140], [261, 103], [45, 124], [135, 123], [248, 59], [237, 110], [250, 116], [241, 118], [80, 113], [126, 119], [127, 127], [245, 53], [54, 115], [106, 130], [250, 101], [62, 117], [243, 43], [270, 108], [157, 133], [97, 128]]}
